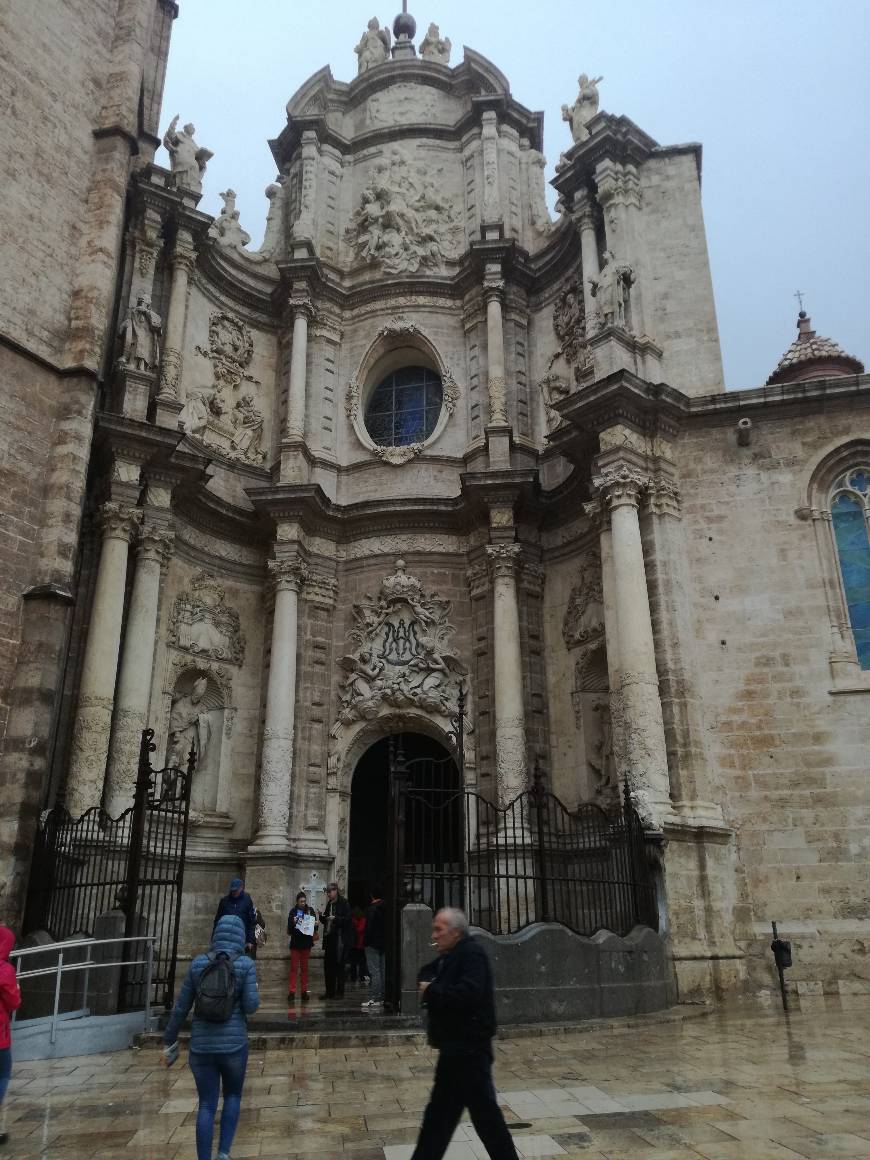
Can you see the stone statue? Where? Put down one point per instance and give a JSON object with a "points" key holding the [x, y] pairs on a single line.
{"points": [[434, 48], [374, 46], [187, 159], [189, 725], [199, 406], [139, 334], [272, 236], [226, 228], [248, 426], [611, 290], [584, 108]]}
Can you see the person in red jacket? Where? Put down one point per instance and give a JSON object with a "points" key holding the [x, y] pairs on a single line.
{"points": [[10, 1000]]}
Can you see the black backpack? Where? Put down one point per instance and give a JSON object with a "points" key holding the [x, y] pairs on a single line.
{"points": [[216, 989]]}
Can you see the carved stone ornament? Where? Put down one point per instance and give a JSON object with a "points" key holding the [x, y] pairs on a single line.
{"points": [[584, 617], [226, 229], [569, 326], [139, 334], [403, 656], [218, 674], [553, 389], [619, 485], [396, 456], [203, 624], [118, 521], [230, 348], [404, 221], [584, 108], [434, 47]]}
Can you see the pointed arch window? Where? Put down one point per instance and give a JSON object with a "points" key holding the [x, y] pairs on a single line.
{"points": [[850, 513]]}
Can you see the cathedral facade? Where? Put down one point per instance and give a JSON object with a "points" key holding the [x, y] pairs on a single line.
{"points": [[280, 504]]}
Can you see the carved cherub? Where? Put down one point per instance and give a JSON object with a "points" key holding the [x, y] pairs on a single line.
{"points": [[374, 46], [435, 48]]}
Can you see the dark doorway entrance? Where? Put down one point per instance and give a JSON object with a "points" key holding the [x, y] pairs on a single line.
{"points": [[371, 842]]}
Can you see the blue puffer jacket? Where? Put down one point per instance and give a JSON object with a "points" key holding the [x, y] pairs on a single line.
{"points": [[229, 936]]}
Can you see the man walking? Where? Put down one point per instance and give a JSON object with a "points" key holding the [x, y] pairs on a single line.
{"points": [[457, 992], [375, 939], [236, 902], [337, 941]]}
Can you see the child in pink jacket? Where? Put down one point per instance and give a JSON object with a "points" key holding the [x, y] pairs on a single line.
{"points": [[10, 1000]]}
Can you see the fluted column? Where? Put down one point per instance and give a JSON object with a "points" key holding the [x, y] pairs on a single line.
{"points": [[137, 661], [276, 773], [303, 311], [493, 289], [90, 745], [510, 718], [182, 262], [637, 702], [584, 216]]}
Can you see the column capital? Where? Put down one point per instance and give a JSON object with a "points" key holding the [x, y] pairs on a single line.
{"points": [[321, 589], [503, 559], [288, 575], [663, 497], [583, 210], [155, 543], [493, 286], [300, 304], [183, 253], [620, 486], [119, 521]]}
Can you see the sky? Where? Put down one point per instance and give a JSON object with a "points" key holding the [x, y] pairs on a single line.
{"points": [[777, 92]]}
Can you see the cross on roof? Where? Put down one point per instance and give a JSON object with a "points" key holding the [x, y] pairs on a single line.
{"points": [[799, 294]]}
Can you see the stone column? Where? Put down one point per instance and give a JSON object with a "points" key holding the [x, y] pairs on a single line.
{"points": [[137, 663], [276, 773], [620, 196], [90, 744], [303, 311], [637, 705], [584, 216], [510, 719], [493, 289], [170, 399]]}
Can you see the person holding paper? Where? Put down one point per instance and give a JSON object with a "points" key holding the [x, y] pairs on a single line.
{"points": [[302, 929]]}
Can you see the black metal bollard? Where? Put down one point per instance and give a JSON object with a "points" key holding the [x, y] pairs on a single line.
{"points": [[782, 957]]}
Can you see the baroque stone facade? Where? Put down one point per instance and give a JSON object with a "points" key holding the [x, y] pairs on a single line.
{"points": [[425, 436]]}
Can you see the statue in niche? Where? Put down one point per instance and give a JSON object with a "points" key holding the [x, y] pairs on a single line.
{"points": [[612, 291], [139, 336], [374, 46], [584, 108], [584, 616], [187, 159], [553, 388], [434, 48], [601, 760], [248, 425], [189, 726], [226, 228]]}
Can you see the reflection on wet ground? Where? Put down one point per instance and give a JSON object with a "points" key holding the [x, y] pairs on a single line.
{"points": [[743, 1083]]}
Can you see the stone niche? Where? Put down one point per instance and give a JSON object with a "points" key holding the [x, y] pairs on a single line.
{"points": [[200, 716]]}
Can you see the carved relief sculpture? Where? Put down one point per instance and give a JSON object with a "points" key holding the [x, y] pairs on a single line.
{"points": [[226, 228], [553, 389], [139, 333], [186, 158], [403, 221], [434, 48], [573, 355], [403, 655], [203, 624], [374, 46], [612, 291], [189, 726], [584, 617], [230, 349], [248, 425], [584, 108]]}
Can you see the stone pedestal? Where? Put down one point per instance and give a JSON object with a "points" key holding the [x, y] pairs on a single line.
{"points": [[134, 391], [615, 349]]}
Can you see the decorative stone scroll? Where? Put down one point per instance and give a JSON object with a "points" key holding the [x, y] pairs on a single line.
{"points": [[583, 622], [403, 654], [404, 221], [203, 624]]}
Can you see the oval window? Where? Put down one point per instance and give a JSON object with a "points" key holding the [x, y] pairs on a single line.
{"points": [[404, 407]]}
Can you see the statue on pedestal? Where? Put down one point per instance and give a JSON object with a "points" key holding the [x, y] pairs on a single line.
{"points": [[374, 46], [434, 48], [584, 108], [139, 334], [189, 726], [187, 159], [612, 290]]}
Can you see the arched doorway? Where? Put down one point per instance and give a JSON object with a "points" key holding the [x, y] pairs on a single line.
{"points": [[431, 830]]}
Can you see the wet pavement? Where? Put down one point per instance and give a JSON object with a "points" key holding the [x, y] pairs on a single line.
{"points": [[744, 1083]]}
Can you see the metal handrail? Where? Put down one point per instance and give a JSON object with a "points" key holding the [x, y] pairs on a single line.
{"points": [[87, 966]]}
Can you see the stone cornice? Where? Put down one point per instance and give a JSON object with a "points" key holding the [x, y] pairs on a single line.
{"points": [[611, 138], [784, 398], [619, 398]]}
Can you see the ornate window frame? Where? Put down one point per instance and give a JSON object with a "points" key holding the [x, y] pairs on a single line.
{"points": [[397, 344], [832, 467]]}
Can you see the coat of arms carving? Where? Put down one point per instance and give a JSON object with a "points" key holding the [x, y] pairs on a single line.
{"points": [[584, 616], [202, 623], [403, 655]]}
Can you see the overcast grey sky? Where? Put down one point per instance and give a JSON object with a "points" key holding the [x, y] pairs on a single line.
{"points": [[777, 91]]}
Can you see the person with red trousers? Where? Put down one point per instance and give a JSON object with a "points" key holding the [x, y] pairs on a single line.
{"points": [[10, 1000], [300, 947]]}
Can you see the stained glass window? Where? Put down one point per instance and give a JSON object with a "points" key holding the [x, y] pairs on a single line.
{"points": [[849, 519], [404, 408]]}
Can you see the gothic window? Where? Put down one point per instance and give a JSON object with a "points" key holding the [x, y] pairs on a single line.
{"points": [[850, 510], [405, 407]]}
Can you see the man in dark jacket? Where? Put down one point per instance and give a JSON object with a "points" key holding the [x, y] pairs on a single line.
{"points": [[242, 906], [457, 992], [337, 941]]}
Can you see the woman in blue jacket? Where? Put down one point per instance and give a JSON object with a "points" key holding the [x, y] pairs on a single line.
{"points": [[218, 1051]]}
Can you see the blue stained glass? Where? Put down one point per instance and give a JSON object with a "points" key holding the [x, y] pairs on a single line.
{"points": [[850, 533], [858, 481], [405, 407]]}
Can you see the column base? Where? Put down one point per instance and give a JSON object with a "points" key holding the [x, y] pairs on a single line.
{"points": [[134, 391], [295, 466], [498, 444]]}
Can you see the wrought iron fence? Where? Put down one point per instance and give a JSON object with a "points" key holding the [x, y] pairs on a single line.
{"points": [[85, 867]]}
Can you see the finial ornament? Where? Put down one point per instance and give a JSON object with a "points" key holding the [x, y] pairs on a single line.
{"points": [[799, 294]]}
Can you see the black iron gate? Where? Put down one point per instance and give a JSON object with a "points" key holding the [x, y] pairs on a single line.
{"points": [[86, 867]]}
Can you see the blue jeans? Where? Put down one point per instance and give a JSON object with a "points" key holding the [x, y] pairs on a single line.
{"points": [[5, 1070], [375, 962], [210, 1071]]}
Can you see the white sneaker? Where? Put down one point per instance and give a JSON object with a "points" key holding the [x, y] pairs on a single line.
{"points": [[372, 1003]]}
